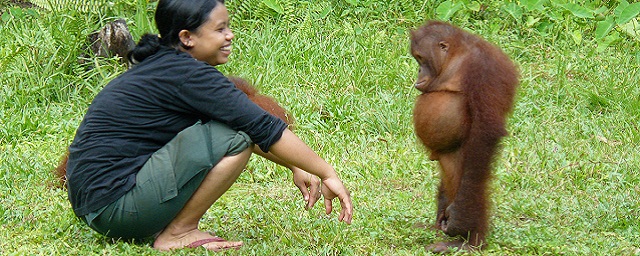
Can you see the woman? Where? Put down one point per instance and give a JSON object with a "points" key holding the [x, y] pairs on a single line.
{"points": [[164, 140]]}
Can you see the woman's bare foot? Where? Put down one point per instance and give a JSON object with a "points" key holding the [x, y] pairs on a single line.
{"points": [[192, 239]]}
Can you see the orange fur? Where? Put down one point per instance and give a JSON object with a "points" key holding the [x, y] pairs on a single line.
{"points": [[467, 90]]}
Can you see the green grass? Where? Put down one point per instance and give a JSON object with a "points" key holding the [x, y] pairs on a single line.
{"points": [[566, 182]]}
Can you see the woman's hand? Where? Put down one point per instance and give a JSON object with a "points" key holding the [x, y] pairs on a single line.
{"points": [[309, 186], [332, 188], [295, 153]]}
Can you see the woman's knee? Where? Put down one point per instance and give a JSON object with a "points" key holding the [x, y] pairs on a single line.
{"points": [[238, 160]]}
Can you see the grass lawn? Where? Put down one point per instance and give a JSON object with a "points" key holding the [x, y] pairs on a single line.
{"points": [[567, 180]]}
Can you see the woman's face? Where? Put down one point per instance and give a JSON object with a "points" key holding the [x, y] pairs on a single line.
{"points": [[211, 42]]}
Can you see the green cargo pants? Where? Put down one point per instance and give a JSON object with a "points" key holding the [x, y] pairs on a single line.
{"points": [[167, 180]]}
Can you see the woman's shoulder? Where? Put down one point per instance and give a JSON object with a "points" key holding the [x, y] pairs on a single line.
{"points": [[171, 61], [175, 56]]}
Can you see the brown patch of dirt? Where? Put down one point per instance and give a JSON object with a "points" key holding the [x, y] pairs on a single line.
{"points": [[4, 4], [22, 4]]}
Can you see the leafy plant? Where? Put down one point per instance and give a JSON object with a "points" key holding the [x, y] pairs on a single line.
{"points": [[546, 15], [78, 5], [623, 16], [447, 9], [298, 11], [267, 10]]}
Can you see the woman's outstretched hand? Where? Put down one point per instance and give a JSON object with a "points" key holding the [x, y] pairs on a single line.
{"points": [[332, 188], [295, 154], [309, 186]]}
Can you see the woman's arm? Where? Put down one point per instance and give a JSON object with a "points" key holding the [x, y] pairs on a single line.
{"points": [[293, 151], [308, 184]]}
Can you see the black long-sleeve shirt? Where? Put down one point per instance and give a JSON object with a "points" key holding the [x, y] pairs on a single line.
{"points": [[143, 109]]}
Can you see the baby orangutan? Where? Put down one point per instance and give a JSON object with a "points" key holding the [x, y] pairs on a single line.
{"points": [[467, 90]]}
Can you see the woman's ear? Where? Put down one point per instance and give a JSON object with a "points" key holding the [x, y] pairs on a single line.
{"points": [[185, 39]]}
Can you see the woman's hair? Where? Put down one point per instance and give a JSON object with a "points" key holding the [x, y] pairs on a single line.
{"points": [[173, 16]]}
